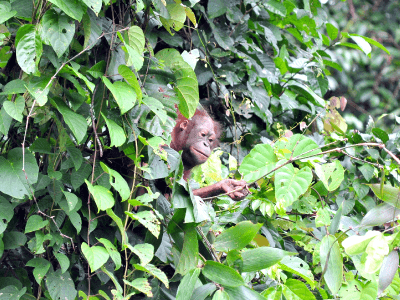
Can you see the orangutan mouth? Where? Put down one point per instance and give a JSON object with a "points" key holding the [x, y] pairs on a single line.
{"points": [[201, 153]]}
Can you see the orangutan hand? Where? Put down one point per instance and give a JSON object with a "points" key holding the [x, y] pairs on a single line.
{"points": [[236, 189]]}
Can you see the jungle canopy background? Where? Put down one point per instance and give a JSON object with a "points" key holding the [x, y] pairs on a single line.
{"points": [[306, 92]]}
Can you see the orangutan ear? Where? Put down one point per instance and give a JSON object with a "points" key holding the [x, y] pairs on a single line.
{"points": [[184, 125]]}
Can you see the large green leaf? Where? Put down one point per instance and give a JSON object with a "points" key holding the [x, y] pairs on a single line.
{"points": [[94, 5], [96, 256], [186, 85], [222, 274], [388, 193], [131, 79], [334, 272], [12, 179], [117, 181], [388, 270], [15, 109], [152, 270], [290, 184], [258, 162], [57, 30], [380, 214], [60, 285], [156, 107], [34, 223], [187, 284], [73, 8], [117, 133], [376, 251], [75, 122], [357, 244], [190, 252], [142, 285], [298, 288], [262, 258], [148, 219], [299, 147], [29, 48], [236, 237], [123, 93], [6, 12], [103, 197], [112, 251], [331, 174]]}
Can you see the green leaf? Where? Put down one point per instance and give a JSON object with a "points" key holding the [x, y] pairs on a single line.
{"points": [[276, 7], [15, 109], [136, 39], [12, 178], [76, 155], [142, 285], [37, 88], [380, 134], [152, 270], [144, 251], [299, 289], [41, 267], [389, 194], [117, 181], [74, 70], [331, 174], [221, 295], [34, 223], [357, 244], [72, 200], [118, 221], [290, 184], [388, 270], [190, 252], [16, 86], [367, 170], [57, 30], [98, 69], [332, 31], [372, 42], [236, 237], [156, 107], [148, 219], [299, 146], [123, 93], [5, 121], [260, 161], [63, 261], [96, 256], [334, 272], [75, 122], [362, 43], [222, 274], [131, 79], [322, 218], [13, 239], [186, 85], [103, 197], [117, 134], [60, 285], [216, 8], [380, 215], [94, 5], [262, 258], [298, 267], [29, 48], [187, 284], [177, 17], [73, 8], [376, 251], [6, 11], [112, 251]]}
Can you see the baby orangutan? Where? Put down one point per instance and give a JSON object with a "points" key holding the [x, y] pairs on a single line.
{"points": [[196, 138]]}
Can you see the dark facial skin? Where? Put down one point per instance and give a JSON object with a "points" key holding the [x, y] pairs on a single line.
{"points": [[197, 138], [198, 145]]}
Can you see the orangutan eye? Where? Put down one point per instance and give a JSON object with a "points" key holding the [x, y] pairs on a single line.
{"points": [[210, 140], [203, 134]]}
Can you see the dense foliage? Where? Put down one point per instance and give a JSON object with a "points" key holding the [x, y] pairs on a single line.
{"points": [[89, 91]]}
